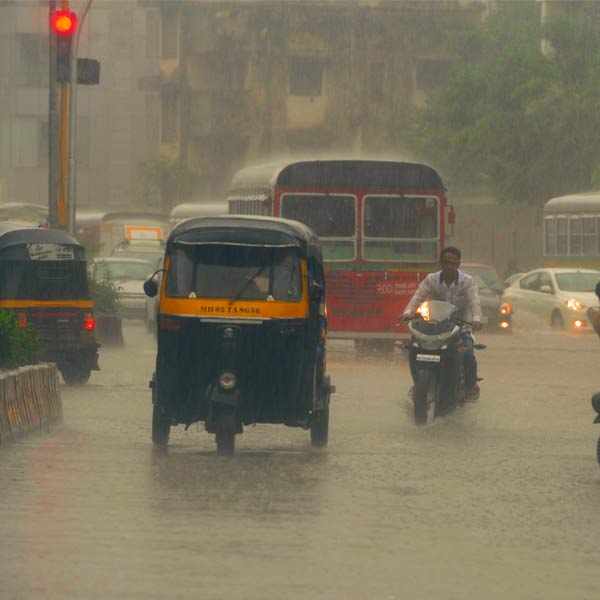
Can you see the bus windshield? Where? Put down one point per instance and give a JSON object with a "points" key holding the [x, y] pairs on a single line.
{"points": [[400, 228], [330, 216], [224, 271], [43, 280]]}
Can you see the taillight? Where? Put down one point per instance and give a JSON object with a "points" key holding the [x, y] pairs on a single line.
{"points": [[22, 318], [88, 322], [169, 324]]}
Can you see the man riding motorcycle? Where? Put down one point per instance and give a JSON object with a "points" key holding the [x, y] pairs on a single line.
{"points": [[460, 289]]}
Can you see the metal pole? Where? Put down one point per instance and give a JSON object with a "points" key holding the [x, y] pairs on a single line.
{"points": [[52, 123], [73, 120], [62, 207]]}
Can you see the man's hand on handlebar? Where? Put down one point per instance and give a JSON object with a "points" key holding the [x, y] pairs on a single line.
{"points": [[403, 320]]}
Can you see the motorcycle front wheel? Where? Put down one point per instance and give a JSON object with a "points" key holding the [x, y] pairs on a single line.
{"points": [[425, 396]]}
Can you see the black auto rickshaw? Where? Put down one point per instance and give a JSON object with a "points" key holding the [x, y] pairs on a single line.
{"points": [[241, 329], [43, 278]]}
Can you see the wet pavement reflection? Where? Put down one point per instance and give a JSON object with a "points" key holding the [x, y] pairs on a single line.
{"points": [[497, 500]]}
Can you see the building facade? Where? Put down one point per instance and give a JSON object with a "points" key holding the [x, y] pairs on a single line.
{"points": [[117, 121], [248, 81]]}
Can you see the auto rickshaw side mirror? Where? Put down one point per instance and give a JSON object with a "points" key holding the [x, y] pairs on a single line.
{"points": [[150, 288], [315, 291]]}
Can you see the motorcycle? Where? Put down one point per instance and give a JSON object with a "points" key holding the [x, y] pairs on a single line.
{"points": [[596, 407], [437, 366]]}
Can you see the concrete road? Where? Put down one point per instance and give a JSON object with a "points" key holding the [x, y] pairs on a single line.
{"points": [[498, 500]]}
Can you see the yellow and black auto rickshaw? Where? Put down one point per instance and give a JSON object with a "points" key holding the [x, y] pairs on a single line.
{"points": [[241, 329], [43, 278]]}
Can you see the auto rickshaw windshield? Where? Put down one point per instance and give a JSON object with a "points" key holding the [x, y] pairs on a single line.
{"points": [[232, 271]]}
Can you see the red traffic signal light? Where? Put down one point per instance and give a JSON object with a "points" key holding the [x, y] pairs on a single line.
{"points": [[63, 22]]}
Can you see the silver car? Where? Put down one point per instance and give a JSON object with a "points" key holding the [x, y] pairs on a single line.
{"points": [[128, 274], [556, 297]]}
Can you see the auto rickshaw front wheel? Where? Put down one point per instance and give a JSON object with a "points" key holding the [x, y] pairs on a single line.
{"points": [[226, 429], [161, 427], [75, 374]]}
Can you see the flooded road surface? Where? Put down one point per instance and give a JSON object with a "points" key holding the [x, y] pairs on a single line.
{"points": [[498, 500]]}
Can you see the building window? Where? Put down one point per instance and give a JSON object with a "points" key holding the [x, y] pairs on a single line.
{"points": [[169, 117], [31, 62], [306, 76], [169, 34], [431, 73]]}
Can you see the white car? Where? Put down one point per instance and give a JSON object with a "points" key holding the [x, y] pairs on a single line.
{"points": [[557, 297], [128, 274]]}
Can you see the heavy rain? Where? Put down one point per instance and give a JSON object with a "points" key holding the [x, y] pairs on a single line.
{"points": [[217, 375]]}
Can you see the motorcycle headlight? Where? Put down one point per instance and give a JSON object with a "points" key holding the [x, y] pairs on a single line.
{"points": [[574, 304], [506, 309], [227, 380]]}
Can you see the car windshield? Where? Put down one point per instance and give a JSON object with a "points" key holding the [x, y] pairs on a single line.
{"points": [[577, 281], [226, 271], [122, 270]]}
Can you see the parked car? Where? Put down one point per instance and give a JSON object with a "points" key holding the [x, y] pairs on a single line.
{"points": [[557, 297], [497, 314], [486, 272], [129, 275]]}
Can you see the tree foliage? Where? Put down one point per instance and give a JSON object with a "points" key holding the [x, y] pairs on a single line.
{"points": [[525, 125]]}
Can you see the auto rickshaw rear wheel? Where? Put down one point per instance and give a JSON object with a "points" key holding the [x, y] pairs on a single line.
{"points": [[319, 428], [161, 427], [225, 434], [75, 374]]}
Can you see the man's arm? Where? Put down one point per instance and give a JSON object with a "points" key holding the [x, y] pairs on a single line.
{"points": [[474, 302]]}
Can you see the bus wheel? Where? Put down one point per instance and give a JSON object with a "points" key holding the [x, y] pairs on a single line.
{"points": [[161, 427], [75, 374], [225, 435], [319, 428]]}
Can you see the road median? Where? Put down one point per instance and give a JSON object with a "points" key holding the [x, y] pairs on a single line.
{"points": [[29, 400]]}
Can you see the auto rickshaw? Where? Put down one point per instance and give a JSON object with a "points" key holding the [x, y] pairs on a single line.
{"points": [[43, 278], [241, 329]]}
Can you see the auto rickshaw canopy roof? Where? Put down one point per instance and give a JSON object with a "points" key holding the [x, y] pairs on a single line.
{"points": [[14, 240], [241, 230]]}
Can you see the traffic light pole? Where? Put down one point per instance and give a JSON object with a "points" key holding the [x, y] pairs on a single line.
{"points": [[52, 124], [71, 187], [62, 212]]}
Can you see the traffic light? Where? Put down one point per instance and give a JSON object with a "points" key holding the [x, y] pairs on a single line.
{"points": [[63, 25]]}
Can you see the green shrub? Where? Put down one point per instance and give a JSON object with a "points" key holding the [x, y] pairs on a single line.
{"points": [[105, 295], [18, 345]]}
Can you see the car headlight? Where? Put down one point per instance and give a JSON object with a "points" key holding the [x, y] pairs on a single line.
{"points": [[574, 304], [227, 380]]}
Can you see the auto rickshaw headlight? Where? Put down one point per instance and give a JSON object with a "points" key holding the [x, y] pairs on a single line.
{"points": [[227, 380]]}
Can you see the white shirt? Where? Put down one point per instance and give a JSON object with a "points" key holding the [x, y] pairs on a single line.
{"points": [[462, 292]]}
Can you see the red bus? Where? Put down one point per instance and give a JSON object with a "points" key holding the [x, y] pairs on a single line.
{"points": [[381, 225]]}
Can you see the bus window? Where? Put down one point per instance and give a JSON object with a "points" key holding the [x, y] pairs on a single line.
{"points": [[562, 236], [574, 236], [330, 216], [408, 224], [589, 236], [550, 235]]}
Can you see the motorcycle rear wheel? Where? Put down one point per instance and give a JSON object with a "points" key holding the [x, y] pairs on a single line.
{"points": [[598, 451], [425, 396], [225, 435]]}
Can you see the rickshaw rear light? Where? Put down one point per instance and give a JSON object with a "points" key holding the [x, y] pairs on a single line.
{"points": [[22, 318], [88, 322], [169, 324]]}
